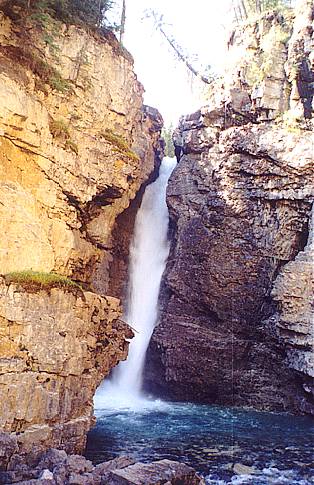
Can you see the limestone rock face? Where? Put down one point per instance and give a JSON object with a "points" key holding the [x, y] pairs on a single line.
{"points": [[55, 349], [240, 211], [239, 201], [269, 67], [76, 145], [299, 66], [256, 62], [293, 292], [61, 166]]}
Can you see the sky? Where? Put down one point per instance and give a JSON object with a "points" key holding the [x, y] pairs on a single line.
{"points": [[200, 26]]}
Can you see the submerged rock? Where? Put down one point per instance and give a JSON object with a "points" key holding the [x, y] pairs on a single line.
{"points": [[241, 469]]}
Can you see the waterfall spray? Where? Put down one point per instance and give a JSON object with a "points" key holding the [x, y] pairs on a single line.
{"points": [[148, 256]]}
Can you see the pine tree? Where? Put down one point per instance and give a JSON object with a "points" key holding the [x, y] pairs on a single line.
{"points": [[166, 134], [243, 9], [85, 12], [123, 19]]}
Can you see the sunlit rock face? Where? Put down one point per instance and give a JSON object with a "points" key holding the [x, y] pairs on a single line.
{"points": [[240, 201], [71, 161], [293, 293], [69, 186], [269, 66], [56, 347]]}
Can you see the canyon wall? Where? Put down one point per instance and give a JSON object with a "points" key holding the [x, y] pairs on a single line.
{"points": [[236, 322], [62, 158], [77, 145], [56, 347]]}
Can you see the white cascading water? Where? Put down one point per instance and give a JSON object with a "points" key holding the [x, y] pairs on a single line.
{"points": [[148, 255]]}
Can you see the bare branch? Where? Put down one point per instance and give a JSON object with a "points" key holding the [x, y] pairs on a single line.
{"points": [[160, 26]]}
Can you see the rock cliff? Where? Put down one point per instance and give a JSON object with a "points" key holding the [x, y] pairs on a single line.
{"points": [[56, 347], [73, 154], [236, 321], [77, 145]]}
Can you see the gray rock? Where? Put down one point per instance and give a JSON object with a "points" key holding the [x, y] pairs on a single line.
{"points": [[241, 469], [239, 218], [8, 446], [52, 458], [156, 473], [116, 463], [78, 464], [36, 482], [77, 479], [46, 475]]}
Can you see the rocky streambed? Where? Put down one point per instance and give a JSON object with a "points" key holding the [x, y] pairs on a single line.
{"points": [[224, 445], [57, 468]]}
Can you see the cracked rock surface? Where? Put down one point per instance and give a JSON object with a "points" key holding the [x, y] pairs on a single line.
{"points": [[236, 316]]}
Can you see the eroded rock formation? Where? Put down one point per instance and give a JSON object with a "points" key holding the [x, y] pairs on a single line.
{"points": [[293, 293], [60, 153], [56, 347], [76, 146], [57, 468], [239, 202]]}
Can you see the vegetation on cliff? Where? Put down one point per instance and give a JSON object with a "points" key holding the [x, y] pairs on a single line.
{"points": [[90, 13], [60, 131], [120, 144], [245, 9], [36, 280], [167, 134]]}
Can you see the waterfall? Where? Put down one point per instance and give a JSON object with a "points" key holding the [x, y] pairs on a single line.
{"points": [[148, 255]]}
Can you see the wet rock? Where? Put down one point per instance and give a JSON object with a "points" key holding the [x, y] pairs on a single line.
{"points": [[76, 470], [241, 211], [156, 473], [241, 469]]}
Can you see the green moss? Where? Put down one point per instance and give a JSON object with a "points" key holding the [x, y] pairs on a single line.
{"points": [[59, 129], [44, 71], [120, 143], [35, 280], [71, 145], [132, 155], [116, 140], [58, 83]]}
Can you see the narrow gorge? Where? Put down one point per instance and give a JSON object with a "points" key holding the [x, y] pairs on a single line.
{"points": [[156, 313]]}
